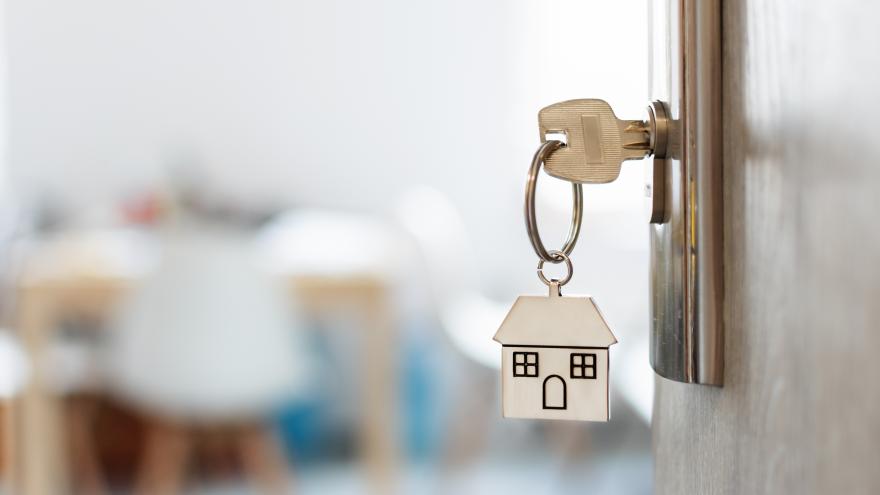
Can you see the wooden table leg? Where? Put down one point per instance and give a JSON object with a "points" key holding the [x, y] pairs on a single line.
{"points": [[380, 401], [38, 453]]}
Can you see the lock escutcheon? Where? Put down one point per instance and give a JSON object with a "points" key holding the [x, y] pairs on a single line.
{"points": [[655, 173]]}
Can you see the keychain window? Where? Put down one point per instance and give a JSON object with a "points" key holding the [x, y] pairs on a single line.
{"points": [[525, 364], [583, 366]]}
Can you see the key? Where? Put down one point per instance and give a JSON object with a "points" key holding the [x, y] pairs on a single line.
{"points": [[597, 142]]}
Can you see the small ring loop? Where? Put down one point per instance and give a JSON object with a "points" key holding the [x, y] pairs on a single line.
{"points": [[544, 151], [562, 257]]}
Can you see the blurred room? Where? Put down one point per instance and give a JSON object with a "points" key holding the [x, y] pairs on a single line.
{"points": [[263, 247]]}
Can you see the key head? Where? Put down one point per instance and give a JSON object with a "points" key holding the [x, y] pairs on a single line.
{"points": [[597, 141]]}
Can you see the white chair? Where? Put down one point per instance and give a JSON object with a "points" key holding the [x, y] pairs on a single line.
{"points": [[14, 366], [207, 339], [469, 318]]}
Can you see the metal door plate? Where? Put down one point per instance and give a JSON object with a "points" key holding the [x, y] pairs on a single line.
{"points": [[687, 341]]}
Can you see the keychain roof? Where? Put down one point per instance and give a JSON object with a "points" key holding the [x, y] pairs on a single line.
{"points": [[555, 321]]}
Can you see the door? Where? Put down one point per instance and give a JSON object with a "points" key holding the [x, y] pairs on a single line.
{"points": [[799, 411], [554, 394]]}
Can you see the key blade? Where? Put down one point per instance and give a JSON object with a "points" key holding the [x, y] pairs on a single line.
{"points": [[597, 141]]}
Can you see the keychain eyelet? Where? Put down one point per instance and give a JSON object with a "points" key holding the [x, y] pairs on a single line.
{"points": [[554, 282], [544, 151]]}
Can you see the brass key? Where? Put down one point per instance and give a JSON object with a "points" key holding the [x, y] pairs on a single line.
{"points": [[597, 142]]}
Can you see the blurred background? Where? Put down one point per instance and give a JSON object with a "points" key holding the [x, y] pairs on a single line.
{"points": [[262, 247]]}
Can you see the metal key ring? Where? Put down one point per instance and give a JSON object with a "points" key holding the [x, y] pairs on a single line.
{"points": [[544, 151], [562, 257]]}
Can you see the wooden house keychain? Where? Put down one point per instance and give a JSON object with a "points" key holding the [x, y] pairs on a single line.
{"points": [[554, 349]]}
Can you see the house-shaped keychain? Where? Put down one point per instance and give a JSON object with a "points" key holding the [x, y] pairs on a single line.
{"points": [[555, 359]]}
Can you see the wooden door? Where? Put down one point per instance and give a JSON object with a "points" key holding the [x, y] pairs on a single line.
{"points": [[800, 408]]}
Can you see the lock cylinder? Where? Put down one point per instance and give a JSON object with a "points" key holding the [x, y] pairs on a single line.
{"points": [[658, 129]]}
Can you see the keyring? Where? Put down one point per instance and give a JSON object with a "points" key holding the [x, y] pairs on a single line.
{"points": [[544, 151], [562, 257]]}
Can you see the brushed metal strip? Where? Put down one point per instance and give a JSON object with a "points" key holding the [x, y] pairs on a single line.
{"points": [[687, 341]]}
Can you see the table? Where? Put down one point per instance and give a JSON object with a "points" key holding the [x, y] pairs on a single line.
{"points": [[35, 451]]}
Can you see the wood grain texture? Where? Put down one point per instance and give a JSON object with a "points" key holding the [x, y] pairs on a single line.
{"points": [[800, 409]]}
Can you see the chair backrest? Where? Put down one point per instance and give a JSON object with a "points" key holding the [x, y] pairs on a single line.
{"points": [[468, 318], [437, 228]]}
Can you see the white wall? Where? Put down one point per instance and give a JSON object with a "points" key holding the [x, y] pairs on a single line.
{"points": [[332, 102], [298, 99]]}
